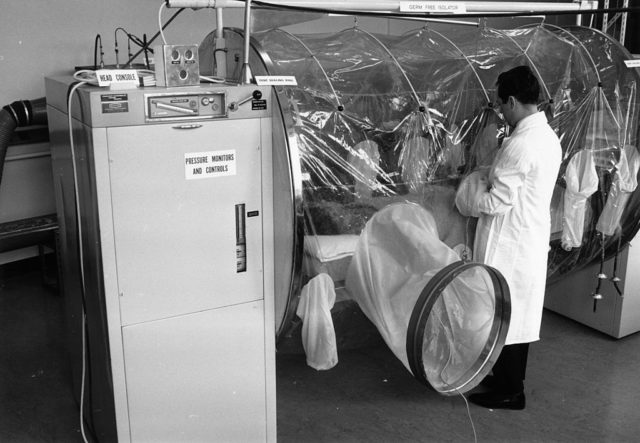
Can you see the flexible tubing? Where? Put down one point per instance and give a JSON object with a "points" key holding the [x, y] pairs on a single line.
{"points": [[19, 113]]}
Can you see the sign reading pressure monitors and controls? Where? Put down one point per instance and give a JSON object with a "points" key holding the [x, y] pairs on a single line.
{"points": [[209, 164]]}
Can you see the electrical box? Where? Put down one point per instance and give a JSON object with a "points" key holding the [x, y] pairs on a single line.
{"points": [[176, 65], [174, 191]]}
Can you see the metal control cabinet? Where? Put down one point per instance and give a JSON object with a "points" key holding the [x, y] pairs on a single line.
{"points": [[615, 314], [175, 253]]}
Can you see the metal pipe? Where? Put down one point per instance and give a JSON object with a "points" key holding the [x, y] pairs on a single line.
{"points": [[394, 5], [471, 7], [443, 21], [246, 77], [220, 47]]}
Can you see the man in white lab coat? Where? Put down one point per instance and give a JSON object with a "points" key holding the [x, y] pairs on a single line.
{"points": [[514, 227]]}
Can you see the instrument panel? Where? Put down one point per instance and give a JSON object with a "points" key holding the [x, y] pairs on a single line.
{"points": [[185, 106]]}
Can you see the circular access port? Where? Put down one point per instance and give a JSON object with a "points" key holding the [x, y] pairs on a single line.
{"points": [[183, 74], [188, 54], [175, 55], [458, 327]]}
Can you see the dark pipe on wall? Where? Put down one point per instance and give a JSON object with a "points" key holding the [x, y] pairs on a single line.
{"points": [[17, 114]]}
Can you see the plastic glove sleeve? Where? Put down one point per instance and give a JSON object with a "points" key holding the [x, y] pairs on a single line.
{"points": [[504, 191], [582, 181], [573, 220], [318, 335], [611, 215], [470, 190]]}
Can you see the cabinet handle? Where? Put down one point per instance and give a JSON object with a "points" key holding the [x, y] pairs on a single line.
{"points": [[241, 239], [191, 126]]}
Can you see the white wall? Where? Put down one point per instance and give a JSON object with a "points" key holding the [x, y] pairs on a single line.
{"points": [[51, 37]]}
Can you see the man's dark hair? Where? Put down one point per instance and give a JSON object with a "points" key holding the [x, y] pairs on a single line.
{"points": [[519, 82]]}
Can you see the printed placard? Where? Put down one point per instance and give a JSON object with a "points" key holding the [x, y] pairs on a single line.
{"points": [[434, 7], [109, 77], [114, 103], [276, 80], [209, 164], [635, 63]]}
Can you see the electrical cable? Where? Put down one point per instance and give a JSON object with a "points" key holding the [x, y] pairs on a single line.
{"points": [[98, 43], [115, 39], [614, 278], [86, 76], [146, 51], [153, 38], [601, 275], [162, 5], [211, 79], [473, 426], [90, 77], [130, 37], [84, 374], [80, 253], [466, 402]]}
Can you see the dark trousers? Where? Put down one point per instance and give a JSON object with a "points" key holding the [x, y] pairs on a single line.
{"points": [[511, 367]]}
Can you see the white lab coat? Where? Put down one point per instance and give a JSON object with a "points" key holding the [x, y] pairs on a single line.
{"points": [[514, 226]]}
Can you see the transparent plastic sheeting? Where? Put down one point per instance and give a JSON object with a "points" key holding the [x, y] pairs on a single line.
{"points": [[378, 119], [398, 253], [393, 118]]}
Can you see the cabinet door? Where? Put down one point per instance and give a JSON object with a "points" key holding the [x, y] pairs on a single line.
{"points": [[198, 377], [174, 228]]}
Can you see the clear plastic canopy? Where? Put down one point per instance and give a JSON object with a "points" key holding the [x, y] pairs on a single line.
{"points": [[378, 119]]}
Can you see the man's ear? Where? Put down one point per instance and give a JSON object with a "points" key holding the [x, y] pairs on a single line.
{"points": [[512, 101]]}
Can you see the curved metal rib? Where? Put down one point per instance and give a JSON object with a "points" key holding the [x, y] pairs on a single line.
{"points": [[486, 94], [524, 52], [395, 61], [576, 39], [324, 73]]}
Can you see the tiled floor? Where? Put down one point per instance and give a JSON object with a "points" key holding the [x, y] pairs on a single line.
{"points": [[581, 386]]}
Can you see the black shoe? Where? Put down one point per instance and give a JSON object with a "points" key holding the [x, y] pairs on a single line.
{"points": [[494, 400]]}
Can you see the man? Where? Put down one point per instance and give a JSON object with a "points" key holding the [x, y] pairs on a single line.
{"points": [[514, 227]]}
